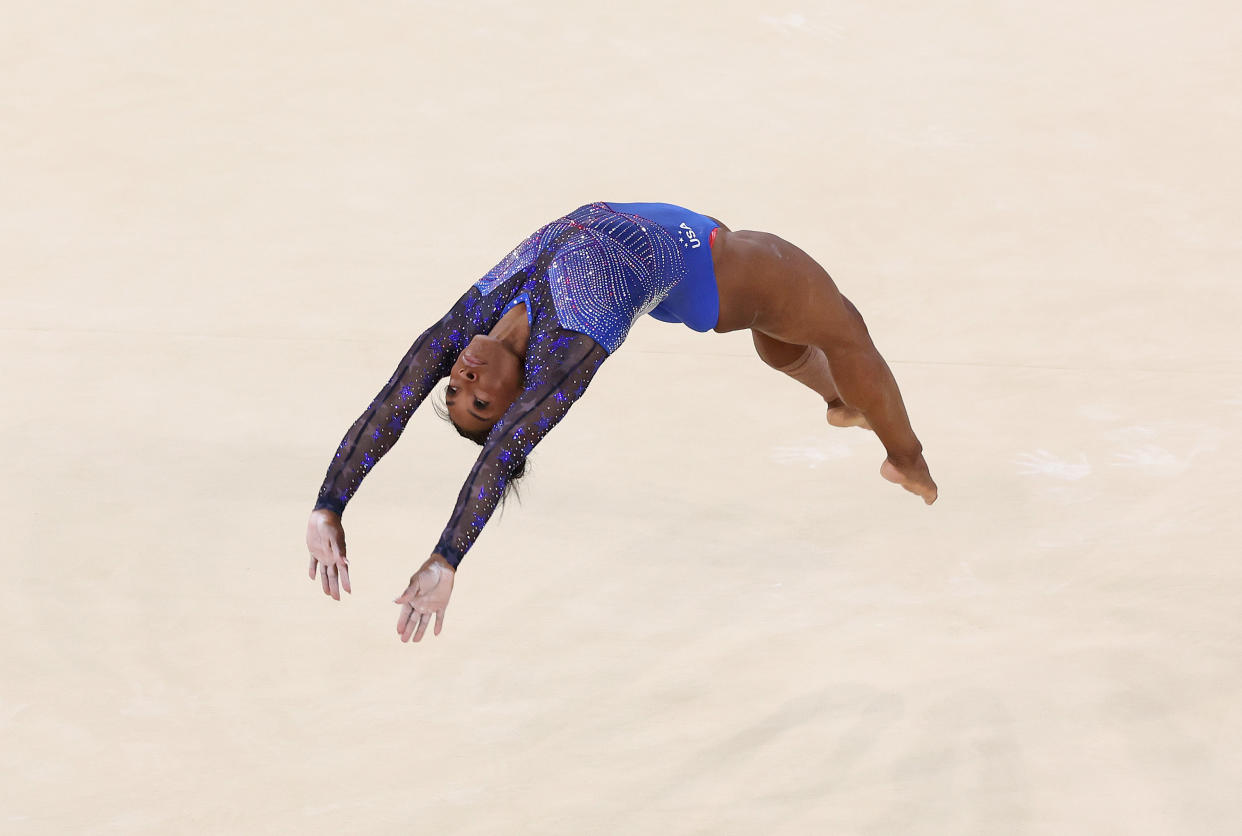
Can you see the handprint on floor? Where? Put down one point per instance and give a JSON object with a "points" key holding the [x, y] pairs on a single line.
{"points": [[1044, 463]]}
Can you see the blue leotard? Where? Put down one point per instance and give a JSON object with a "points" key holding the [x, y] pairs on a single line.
{"points": [[584, 279], [617, 261], [693, 300]]}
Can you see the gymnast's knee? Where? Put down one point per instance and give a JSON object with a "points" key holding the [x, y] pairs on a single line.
{"points": [[778, 354]]}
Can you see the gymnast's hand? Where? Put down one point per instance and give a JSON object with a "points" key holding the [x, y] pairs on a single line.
{"points": [[326, 540], [427, 595]]}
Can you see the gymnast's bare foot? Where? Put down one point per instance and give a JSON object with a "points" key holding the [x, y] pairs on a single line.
{"points": [[840, 415], [912, 475]]}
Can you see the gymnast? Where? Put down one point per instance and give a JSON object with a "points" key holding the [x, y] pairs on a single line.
{"points": [[525, 341]]}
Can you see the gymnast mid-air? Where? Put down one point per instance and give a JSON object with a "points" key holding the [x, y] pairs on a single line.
{"points": [[524, 342]]}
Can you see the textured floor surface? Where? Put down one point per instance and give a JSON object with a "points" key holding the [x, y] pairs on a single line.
{"points": [[221, 225]]}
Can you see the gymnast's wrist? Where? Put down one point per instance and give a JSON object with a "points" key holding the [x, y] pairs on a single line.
{"points": [[440, 560], [332, 505], [449, 554]]}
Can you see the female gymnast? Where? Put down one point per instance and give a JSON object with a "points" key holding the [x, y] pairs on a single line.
{"points": [[524, 342]]}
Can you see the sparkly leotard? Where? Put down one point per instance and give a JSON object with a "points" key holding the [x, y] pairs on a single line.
{"points": [[585, 279]]}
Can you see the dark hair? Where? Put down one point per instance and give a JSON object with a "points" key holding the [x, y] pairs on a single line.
{"points": [[479, 437]]}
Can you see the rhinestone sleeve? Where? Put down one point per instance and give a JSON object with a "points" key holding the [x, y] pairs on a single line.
{"points": [[428, 361], [559, 366]]}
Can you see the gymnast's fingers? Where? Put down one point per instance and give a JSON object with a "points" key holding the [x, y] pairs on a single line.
{"points": [[344, 569], [423, 621], [338, 550], [323, 577], [334, 586], [411, 626], [313, 564], [403, 617], [439, 621], [411, 592]]}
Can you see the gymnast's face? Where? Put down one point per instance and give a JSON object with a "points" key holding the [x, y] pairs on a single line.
{"points": [[483, 383]]}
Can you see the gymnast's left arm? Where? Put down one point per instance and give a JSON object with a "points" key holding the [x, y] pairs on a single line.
{"points": [[372, 435], [557, 374]]}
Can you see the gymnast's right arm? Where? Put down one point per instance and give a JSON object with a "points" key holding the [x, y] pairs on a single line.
{"points": [[559, 367], [373, 434]]}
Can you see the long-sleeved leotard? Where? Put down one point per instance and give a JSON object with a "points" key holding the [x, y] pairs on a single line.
{"points": [[584, 280], [559, 365]]}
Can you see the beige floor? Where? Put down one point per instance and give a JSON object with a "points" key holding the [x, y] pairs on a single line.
{"points": [[221, 226]]}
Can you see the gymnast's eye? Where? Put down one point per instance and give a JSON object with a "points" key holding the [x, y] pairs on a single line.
{"points": [[478, 404], [450, 390]]}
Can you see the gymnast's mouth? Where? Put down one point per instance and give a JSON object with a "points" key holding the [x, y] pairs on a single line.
{"points": [[470, 360]]}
